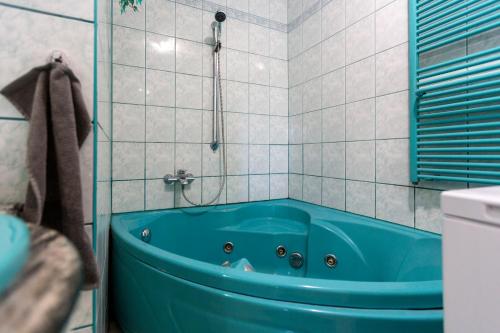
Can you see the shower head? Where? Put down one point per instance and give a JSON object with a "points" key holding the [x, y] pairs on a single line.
{"points": [[220, 17]]}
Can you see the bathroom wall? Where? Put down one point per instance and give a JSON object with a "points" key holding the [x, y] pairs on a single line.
{"points": [[162, 97], [348, 108], [30, 31]]}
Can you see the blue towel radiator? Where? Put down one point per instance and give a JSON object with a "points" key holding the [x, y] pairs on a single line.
{"points": [[454, 55]]}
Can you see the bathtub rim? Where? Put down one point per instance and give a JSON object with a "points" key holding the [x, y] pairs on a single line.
{"points": [[313, 291]]}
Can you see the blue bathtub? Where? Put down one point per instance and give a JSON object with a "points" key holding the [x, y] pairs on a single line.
{"points": [[174, 271]]}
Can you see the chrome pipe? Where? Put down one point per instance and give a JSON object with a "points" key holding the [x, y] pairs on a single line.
{"points": [[215, 118]]}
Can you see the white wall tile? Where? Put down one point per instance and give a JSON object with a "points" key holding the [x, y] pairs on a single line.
{"points": [[258, 39], [312, 122], [360, 39], [393, 116], [188, 125], [311, 95], [259, 187], [130, 18], [258, 69], [237, 159], [333, 18], [188, 22], [237, 127], [334, 156], [295, 41], [128, 84], [393, 161], [278, 155], [360, 80], [295, 100], [311, 33], [392, 70], [294, 9], [237, 34], [278, 101], [259, 159], [160, 124], [159, 160], [237, 96], [241, 5], [159, 195], [333, 194], [278, 73], [333, 52], [188, 157], [188, 91], [334, 88], [160, 17], [258, 129], [128, 196], [295, 186], [392, 25], [357, 9], [237, 189], [311, 63], [79, 9], [360, 160], [278, 130], [360, 198], [160, 52], [333, 124], [295, 71], [188, 57], [128, 46], [428, 214], [395, 204], [312, 159], [360, 120], [278, 10], [212, 161], [295, 129], [128, 122], [312, 189], [192, 191], [128, 160], [160, 88], [278, 186], [278, 47], [210, 189], [258, 99], [259, 7], [295, 158], [237, 66]]}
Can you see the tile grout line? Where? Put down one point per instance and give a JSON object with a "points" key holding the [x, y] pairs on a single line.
{"points": [[46, 13]]}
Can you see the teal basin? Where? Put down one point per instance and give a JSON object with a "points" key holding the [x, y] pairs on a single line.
{"points": [[170, 272], [14, 248]]}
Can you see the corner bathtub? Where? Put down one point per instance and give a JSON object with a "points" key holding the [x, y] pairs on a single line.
{"points": [[387, 278]]}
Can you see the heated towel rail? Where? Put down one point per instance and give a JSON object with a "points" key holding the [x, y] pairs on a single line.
{"points": [[454, 55]]}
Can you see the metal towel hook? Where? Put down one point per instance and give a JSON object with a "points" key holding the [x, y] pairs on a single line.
{"points": [[58, 56]]}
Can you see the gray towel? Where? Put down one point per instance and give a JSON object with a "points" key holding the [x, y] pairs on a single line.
{"points": [[50, 97]]}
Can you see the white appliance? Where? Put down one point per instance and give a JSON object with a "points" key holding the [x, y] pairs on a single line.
{"points": [[471, 260]]}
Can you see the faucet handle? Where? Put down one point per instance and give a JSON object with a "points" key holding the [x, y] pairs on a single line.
{"points": [[170, 179]]}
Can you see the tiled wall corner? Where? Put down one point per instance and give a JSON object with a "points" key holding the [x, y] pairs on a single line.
{"points": [[348, 111]]}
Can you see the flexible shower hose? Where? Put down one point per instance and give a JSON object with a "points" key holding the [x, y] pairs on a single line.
{"points": [[223, 143]]}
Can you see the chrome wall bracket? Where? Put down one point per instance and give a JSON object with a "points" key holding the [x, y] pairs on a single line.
{"points": [[182, 177]]}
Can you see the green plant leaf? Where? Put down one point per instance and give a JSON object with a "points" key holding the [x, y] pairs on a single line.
{"points": [[133, 4]]}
